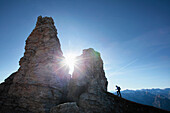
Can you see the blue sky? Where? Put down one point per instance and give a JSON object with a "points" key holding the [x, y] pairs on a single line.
{"points": [[133, 36]]}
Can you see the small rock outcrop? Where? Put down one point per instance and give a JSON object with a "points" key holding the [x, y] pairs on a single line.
{"points": [[42, 83], [88, 75]]}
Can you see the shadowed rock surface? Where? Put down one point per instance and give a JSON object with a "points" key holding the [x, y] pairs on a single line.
{"points": [[42, 83]]}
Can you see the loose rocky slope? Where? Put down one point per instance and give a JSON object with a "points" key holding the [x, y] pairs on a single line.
{"points": [[42, 83]]}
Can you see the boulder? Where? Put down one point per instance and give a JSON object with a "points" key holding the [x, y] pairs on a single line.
{"points": [[69, 107]]}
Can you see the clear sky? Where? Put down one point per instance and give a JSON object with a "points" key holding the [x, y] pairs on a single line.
{"points": [[133, 36]]}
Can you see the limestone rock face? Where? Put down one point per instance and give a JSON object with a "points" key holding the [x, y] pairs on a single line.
{"points": [[42, 78]]}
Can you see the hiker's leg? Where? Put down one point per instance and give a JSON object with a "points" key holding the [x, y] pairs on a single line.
{"points": [[120, 94]]}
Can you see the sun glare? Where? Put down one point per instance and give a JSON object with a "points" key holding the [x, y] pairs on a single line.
{"points": [[70, 61]]}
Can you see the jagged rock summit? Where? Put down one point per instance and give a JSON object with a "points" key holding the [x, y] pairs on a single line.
{"points": [[42, 83]]}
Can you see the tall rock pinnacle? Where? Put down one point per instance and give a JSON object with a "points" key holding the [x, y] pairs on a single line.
{"points": [[41, 80], [43, 56]]}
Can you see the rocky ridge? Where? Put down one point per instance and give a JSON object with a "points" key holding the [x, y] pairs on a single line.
{"points": [[42, 83]]}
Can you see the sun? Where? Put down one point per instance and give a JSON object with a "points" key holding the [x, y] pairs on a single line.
{"points": [[70, 61]]}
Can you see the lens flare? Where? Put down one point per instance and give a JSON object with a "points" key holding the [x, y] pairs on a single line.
{"points": [[70, 61]]}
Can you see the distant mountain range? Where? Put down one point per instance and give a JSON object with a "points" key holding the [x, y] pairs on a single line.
{"points": [[159, 98]]}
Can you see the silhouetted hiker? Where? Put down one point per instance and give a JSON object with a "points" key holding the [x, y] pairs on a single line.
{"points": [[118, 91]]}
